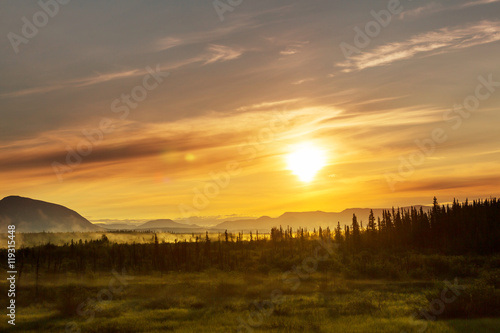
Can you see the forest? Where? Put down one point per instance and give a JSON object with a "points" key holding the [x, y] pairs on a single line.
{"points": [[460, 229], [402, 259]]}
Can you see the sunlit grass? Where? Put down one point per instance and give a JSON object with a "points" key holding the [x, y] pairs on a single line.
{"points": [[214, 301]]}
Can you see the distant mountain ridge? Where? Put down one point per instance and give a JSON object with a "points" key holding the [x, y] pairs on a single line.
{"points": [[165, 223], [29, 215], [307, 220]]}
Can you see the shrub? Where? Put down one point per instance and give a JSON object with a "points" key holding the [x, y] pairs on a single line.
{"points": [[478, 300], [69, 299], [162, 303]]}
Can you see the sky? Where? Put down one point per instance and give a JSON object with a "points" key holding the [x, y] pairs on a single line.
{"points": [[169, 109]]}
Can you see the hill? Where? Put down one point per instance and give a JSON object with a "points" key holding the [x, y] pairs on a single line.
{"points": [[166, 224], [30, 215], [115, 226], [309, 220]]}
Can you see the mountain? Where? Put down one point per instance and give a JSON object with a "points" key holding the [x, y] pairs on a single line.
{"points": [[166, 224], [210, 221], [37, 216], [115, 226], [309, 220], [263, 224], [30, 215]]}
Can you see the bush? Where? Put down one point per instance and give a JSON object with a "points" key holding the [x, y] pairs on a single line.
{"points": [[492, 278], [360, 307], [162, 303], [225, 289], [70, 299], [477, 300]]}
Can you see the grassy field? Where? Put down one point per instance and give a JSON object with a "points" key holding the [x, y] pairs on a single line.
{"points": [[215, 301], [306, 284]]}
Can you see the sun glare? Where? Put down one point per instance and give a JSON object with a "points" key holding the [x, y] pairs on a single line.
{"points": [[305, 161]]}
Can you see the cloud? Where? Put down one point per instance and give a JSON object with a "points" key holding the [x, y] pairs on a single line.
{"points": [[440, 41], [397, 117], [269, 105], [221, 53], [213, 53], [204, 37], [76, 83], [294, 48], [243, 22], [426, 9], [168, 43], [469, 183], [476, 3], [218, 138], [302, 81], [433, 8]]}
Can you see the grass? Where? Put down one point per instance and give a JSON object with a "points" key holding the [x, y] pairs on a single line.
{"points": [[215, 301]]}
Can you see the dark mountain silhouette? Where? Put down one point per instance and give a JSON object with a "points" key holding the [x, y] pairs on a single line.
{"points": [[166, 224], [30, 215], [116, 226], [309, 220], [263, 224], [37, 216]]}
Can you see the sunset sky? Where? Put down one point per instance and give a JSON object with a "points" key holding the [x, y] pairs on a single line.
{"points": [[213, 136]]}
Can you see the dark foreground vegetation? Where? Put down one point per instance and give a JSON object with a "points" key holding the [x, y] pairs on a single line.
{"points": [[414, 270]]}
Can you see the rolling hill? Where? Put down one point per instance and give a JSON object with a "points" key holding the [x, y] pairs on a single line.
{"points": [[30, 215], [166, 224], [37, 216], [309, 220]]}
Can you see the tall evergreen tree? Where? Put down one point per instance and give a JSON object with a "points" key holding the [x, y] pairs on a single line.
{"points": [[338, 234], [356, 234], [371, 221]]}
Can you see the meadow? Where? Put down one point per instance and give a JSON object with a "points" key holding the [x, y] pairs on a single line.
{"points": [[340, 291], [411, 271]]}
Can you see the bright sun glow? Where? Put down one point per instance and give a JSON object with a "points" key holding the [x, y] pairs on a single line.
{"points": [[305, 161]]}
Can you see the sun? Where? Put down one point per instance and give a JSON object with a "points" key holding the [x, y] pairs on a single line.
{"points": [[305, 161]]}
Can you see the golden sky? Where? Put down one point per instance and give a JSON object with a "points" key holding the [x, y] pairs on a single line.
{"points": [[90, 119]]}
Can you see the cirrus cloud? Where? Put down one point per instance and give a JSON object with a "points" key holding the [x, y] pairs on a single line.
{"points": [[430, 43]]}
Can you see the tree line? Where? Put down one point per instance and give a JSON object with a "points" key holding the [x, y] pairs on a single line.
{"points": [[460, 228]]}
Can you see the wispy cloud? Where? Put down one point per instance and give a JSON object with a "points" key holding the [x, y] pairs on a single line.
{"points": [[434, 7], [78, 82], [168, 43], [473, 182], [298, 82], [213, 53], [294, 48], [267, 105], [426, 9], [221, 53], [426, 44], [476, 3], [204, 37], [221, 131]]}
